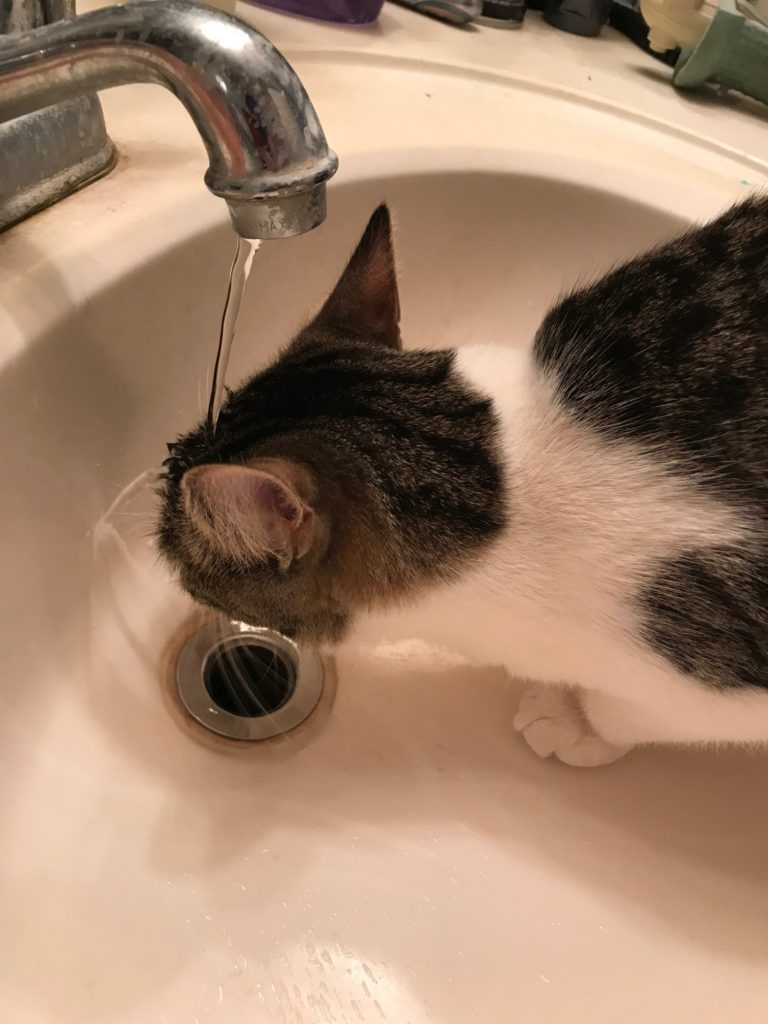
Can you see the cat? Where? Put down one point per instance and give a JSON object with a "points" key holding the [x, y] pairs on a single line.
{"points": [[590, 511]]}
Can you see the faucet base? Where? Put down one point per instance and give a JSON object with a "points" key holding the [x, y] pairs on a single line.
{"points": [[50, 153]]}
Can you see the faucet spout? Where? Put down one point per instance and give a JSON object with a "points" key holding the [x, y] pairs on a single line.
{"points": [[268, 157]]}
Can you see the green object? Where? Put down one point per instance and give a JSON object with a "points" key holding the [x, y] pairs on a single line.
{"points": [[732, 52]]}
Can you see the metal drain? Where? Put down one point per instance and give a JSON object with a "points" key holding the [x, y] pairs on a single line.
{"points": [[247, 683]]}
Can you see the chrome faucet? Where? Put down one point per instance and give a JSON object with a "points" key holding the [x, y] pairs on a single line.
{"points": [[267, 153]]}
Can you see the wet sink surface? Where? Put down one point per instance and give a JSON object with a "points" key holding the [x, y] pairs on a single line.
{"points": [[404, 857]]}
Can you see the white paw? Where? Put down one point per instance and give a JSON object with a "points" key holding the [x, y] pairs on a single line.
{"points": [[552, 723]]}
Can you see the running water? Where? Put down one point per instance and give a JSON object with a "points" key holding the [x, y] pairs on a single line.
{"points": [[135, 602], [238, 276], [132, 499]]}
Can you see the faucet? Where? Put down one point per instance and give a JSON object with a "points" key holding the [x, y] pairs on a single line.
{"points": [[268, 157]]}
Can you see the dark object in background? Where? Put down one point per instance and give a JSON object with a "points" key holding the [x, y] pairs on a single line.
{"points": [[581, 17], [503, 13], [452, 12], [627, 19], [342, 12]]}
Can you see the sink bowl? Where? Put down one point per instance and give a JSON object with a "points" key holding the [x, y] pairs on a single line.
{"points": [[403, 856]]}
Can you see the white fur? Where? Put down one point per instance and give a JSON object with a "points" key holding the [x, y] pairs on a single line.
{"points": [[552, 599]]}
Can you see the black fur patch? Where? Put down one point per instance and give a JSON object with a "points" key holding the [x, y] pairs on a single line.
{"points": [[671, 350], [706, 612]]}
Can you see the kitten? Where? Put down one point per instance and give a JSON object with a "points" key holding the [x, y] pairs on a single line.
{"points": [[591, 512]]}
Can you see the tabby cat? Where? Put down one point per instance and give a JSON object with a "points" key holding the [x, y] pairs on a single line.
{"points": [[590, 511]]}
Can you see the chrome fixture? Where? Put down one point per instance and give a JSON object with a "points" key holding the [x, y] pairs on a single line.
{"points": [[268, 157]]}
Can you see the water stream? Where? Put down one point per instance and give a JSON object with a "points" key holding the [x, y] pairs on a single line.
{"points": [[133, 595], [238, 276]]}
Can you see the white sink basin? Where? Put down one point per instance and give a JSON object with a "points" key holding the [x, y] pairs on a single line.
{"points": [[403, 857]]}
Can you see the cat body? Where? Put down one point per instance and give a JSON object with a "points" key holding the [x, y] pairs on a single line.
{"points": [[557, 597], [590, 512]]}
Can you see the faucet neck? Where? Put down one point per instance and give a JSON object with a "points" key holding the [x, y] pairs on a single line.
{"points": [[262, 135]]}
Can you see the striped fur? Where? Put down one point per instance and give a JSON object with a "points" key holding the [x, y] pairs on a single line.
{"points": [[394, 454], [590, 512]]}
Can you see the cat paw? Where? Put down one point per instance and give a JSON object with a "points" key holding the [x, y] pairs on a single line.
{"points": [[552, 724], [548, 719]]}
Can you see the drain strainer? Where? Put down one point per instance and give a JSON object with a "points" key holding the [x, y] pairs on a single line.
{"points": [[247, 683]]}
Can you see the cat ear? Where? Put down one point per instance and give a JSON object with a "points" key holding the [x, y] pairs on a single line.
{"points": [[365, 302], [248, 512]]}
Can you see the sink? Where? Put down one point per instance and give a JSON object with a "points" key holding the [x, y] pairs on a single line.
{"points": [[402, 856]]}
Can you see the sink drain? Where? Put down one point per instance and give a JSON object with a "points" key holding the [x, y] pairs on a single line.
{"points": [[247, 683]]}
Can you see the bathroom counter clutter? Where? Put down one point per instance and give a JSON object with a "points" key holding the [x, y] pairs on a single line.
{"points": [[608, 70]]}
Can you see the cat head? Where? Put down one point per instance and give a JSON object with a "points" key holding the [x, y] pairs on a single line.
{"points": [[346, 476]]}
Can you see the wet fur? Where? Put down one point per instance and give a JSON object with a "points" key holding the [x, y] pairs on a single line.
{"points": [[589, 512]]}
